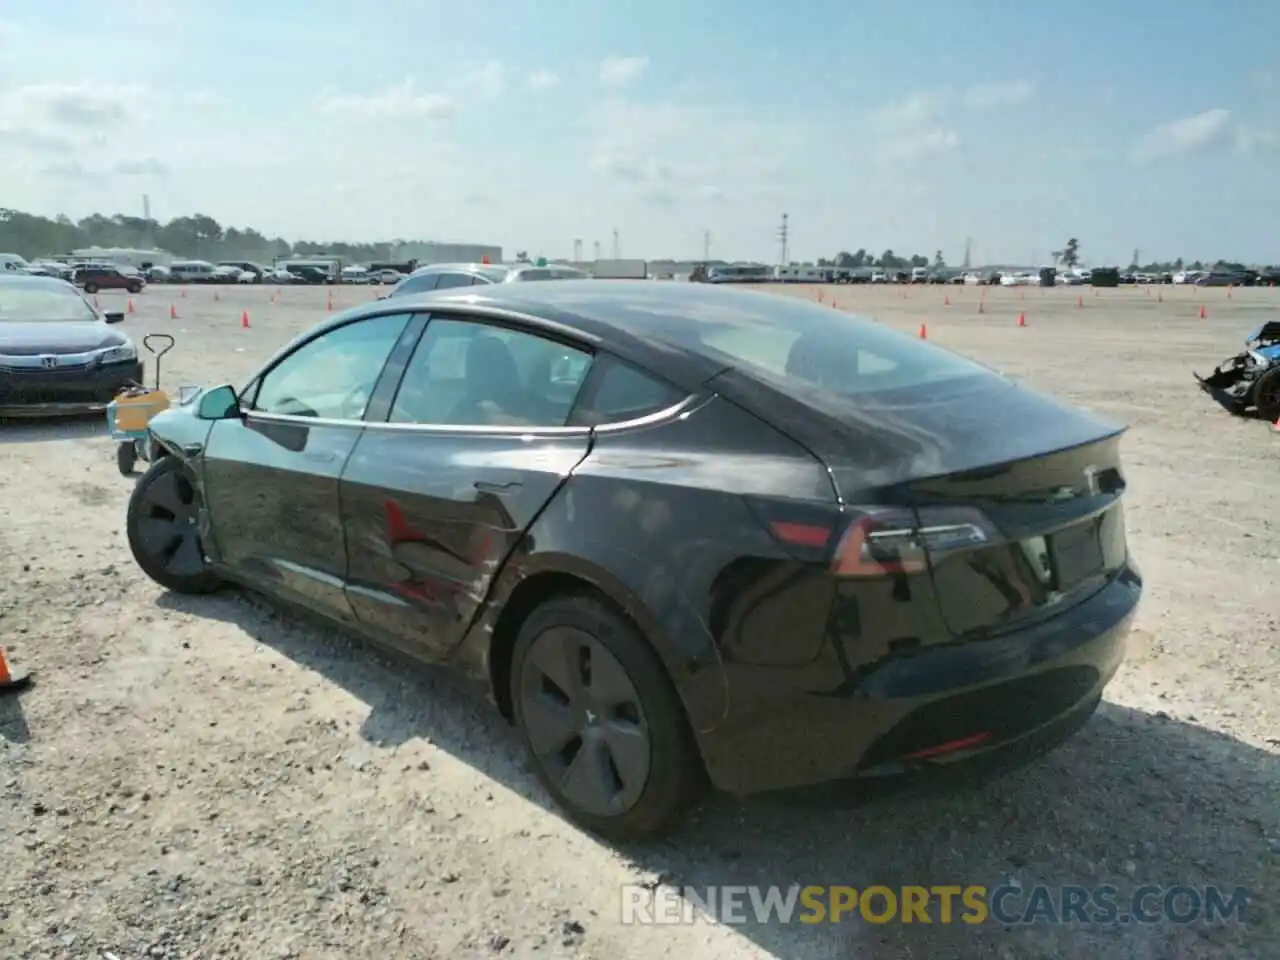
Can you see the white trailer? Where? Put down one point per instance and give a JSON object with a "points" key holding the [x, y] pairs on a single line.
{"points": [[802, 274], [620, 269]]}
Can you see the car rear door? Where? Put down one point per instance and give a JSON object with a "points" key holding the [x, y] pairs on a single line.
{"points": [[270, 478], [473, 446]]}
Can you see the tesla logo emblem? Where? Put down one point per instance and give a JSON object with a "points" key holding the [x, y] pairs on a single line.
{"points": [[1091, 481], [48, 362]]}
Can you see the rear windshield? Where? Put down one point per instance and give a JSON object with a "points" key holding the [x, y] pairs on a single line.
{"points": [[801, 347], [20, 303]]}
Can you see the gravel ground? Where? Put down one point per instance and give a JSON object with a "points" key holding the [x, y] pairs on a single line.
{"points": [[208, 778]]}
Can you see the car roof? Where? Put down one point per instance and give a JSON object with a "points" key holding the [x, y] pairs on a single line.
{"points": [[496, 271]]}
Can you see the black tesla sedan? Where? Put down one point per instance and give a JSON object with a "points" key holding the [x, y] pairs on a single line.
{"points": [[683, 533], [58, 355]]}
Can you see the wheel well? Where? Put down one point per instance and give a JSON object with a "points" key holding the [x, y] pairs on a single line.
{"points": [[527, 596]]}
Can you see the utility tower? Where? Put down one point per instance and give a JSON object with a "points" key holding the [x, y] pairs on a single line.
{"points": [[577, 251], [782, 243], [595, 247], [617, 248], [706, 244], [968, 252]]}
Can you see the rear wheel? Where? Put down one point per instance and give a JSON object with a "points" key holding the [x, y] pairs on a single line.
{"points": [[601, 721], [1266, 396], [134, 288], [90, 288], [164, 531]]}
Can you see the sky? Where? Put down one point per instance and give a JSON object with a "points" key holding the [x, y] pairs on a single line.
{"points": [[872, 124]]}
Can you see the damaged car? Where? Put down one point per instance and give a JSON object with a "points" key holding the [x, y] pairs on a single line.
{"points": [[1249, 382]]}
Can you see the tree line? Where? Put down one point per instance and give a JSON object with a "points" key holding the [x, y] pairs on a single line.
{"points": [[1067, 257], [198, 236]]}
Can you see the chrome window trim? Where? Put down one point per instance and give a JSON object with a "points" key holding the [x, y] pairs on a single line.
{"points": [[684, 406]]}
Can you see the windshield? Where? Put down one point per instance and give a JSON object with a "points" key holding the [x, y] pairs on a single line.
{"points": [[20, 303]]}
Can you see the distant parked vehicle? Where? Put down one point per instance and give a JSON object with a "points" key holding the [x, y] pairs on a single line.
{"points": [[107, 277]]}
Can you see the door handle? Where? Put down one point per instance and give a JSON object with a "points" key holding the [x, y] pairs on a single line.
{"points": [[486, 486], [321, 456]]}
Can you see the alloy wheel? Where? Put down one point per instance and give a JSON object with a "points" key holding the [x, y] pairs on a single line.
{"points": [[584, 720], [168, 525]]}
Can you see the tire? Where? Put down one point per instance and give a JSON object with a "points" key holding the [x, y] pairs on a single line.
{"points": [[126, 458], [91, 288], [666, 776], [1266, 396], [134, 288], [169, 562]]}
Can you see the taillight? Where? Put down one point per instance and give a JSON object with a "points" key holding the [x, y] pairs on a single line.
{"points": [[884, 541]]}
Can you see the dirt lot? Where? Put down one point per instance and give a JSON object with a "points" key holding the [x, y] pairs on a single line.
{"points": [[205, 778]]}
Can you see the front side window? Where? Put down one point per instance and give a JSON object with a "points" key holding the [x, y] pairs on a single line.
{"points": [[331, 377], [474, 374]]}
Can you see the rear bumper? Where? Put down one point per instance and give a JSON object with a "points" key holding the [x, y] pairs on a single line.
{"points": [[63, 392], [1001, 696]]}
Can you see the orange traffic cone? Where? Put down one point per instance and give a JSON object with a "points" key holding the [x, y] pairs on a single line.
{"points": [[1203, 312], [819, 296], [924, 333], [946, 300], [96, 305], [1159, 297], [244, 320], [130, 305], [1228, 291], [1080, 301], [982, 306], [11, 678], [173, 312], [1022, 319], [184, 293]]}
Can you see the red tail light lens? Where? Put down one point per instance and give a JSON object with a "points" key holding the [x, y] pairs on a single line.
{"points": [[883, 542]]}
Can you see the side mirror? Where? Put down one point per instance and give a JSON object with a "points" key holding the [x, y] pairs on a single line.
{"points": [[219, 403], [114, 316]]}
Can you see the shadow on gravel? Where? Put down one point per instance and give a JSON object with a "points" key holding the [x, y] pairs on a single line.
{"points": [[1132, 799], [46, 430], [13, 721]]}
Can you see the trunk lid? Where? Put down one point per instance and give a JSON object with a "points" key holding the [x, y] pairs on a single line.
{"points": [[1032, 485]]}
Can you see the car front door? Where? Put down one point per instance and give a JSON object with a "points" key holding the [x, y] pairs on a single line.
{"points": [[270, 478], [433, 500]]}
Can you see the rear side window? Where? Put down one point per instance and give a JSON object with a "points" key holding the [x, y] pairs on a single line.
{"points": [[448, 280], [624, 393], [420, 284], [801, 347]]}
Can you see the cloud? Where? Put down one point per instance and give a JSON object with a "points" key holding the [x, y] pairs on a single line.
{"points": [[619, 72], [1251, 138], [35, 141], [655, 151], [988, 95], [542, 80], [67, 171], [912, 129], [399, 102], [76, 106], [148, 167], [1184, 135], [487, 81]]}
